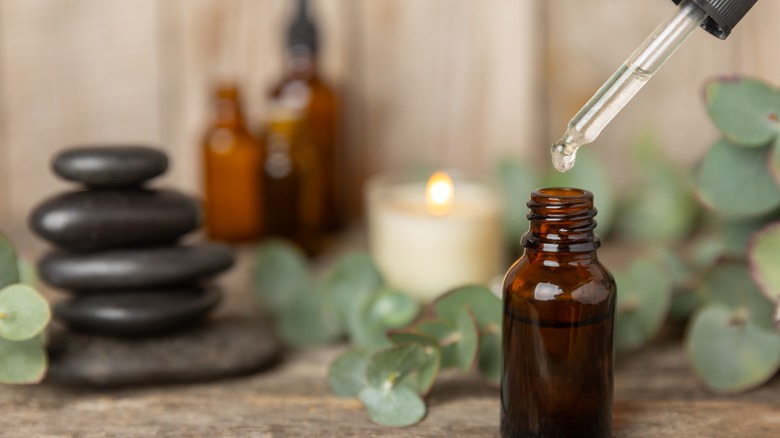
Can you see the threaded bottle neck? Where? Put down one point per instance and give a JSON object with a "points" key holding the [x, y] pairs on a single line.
{"points": [[561, 221]]}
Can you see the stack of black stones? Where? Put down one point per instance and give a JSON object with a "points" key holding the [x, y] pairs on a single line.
{"points": [[117, 253]]}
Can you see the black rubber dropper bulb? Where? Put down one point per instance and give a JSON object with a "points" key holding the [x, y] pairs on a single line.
{"points": [[302, 31], [722, 15]]}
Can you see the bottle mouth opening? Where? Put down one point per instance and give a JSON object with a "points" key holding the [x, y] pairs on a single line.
{"points": [[564, 193]]}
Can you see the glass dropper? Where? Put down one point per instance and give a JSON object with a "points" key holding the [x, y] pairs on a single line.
{"points": [[626, 82]]}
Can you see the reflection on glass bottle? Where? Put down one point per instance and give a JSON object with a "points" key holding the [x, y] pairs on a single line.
{"points": [[302, 90], [231, 171]]}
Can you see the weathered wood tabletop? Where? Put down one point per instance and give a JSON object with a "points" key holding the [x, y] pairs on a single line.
{"points": [[656, 395]]}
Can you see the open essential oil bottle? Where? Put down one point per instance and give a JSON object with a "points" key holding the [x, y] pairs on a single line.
{"points": [[559, 310]]}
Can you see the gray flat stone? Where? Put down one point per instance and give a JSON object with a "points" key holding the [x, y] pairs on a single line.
{"points": [[224, 347], [114, 166], [138, 313], [99, 219], [134, 268]]}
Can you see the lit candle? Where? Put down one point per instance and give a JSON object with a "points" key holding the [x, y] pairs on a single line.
{"points": [[428, 238]]}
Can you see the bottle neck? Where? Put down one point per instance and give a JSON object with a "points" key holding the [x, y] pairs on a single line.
{"points": [[301, 63], [562, 224], [227, 108]]}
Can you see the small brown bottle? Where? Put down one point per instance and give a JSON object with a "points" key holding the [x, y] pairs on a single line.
{"points": [[232, 161], [303, 89], [559, 310]]}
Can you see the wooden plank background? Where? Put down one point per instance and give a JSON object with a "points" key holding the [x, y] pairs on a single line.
{"points": [[453, 83]]}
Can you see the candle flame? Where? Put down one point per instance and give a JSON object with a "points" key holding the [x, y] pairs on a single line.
{"points": [[439, 194]]}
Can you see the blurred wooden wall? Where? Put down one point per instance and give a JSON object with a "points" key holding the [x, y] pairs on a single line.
{"points": [[454, 83]]}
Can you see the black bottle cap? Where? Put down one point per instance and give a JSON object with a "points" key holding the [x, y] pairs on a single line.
{"points": [[722, 15], [302, 31]]}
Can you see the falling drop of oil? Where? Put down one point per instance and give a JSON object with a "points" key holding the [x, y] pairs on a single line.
{"points": [[564, 155]]}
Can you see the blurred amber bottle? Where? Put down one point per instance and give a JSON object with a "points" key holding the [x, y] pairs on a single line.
{"points": [[232, 161], [303, 92]]}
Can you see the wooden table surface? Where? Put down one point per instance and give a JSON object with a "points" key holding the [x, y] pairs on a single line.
{"points": [[656, 395]]}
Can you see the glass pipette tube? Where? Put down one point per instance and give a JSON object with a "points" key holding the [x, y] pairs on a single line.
{"points": [[626, 82]]}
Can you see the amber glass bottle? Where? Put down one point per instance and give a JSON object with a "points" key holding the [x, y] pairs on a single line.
{"points": [[303, 89], [559, 309], [232, 172]]}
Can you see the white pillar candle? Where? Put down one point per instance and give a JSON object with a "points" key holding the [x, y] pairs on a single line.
{"points": [[427, 249]]}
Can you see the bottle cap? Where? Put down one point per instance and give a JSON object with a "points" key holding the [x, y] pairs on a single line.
{"points": [[722, 15], [302, 31]]}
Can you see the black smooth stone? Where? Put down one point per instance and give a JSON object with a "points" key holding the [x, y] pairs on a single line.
{"points": [[89, 220], [138, 313], [217, 348], [115, 166], [134, 268]]}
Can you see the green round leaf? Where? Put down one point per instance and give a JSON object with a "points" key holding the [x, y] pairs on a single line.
{"points": [[23, 312], [485, 306], [428, 371], [489, 362], [9, 273], [27, 273], [765, 261], [308, 320], [22, 362], [729, 353], [349, 285], [730, 284], [392, 309], [388, 367], [738, 233], [516, 177], [775, 163], [736, 181], [643, 298], [468, 343], [280, 274], [747, 111], [660, 208], [398, 407], [591, 174], [347, 374], [446, 336]]}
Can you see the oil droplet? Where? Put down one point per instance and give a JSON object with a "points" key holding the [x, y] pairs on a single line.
{"points": [[563, 155]]}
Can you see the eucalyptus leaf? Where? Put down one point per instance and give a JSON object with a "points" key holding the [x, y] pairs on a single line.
{"points": [[642, 302], [592, 174], [468, 343], [489, 361], [516, 178], [683, 305], [23, 312], [746, 110], [660, 207], [392, 308], [349, 286], [447, 337], [27, 273], [308, 320], [737, 182], [731, 354], [485, 306], [9, 273], [426, 374], [738, 233], [387, 367], [22, 362], [397, 407], [347, 374], [765, 261], [730, 284], [280, 275]]}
